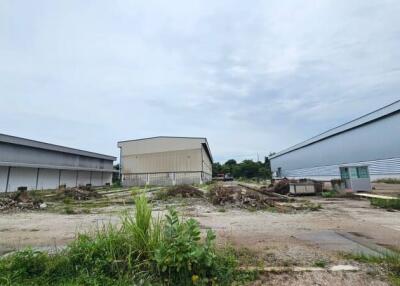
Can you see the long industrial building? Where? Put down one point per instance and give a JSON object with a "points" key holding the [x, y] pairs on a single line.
{"points": [[370, 145], [37, 165], [165, 161]]}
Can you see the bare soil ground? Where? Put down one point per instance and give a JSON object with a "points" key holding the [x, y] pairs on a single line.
{"points": [[306, 238]]}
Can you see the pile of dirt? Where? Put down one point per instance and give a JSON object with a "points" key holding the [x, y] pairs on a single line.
{"points": [[79, 194], [282, 187], [20, 200], [240, 197], [184, 191]]}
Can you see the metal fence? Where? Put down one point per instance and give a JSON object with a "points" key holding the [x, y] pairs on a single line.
{"points": [[165, 179]]}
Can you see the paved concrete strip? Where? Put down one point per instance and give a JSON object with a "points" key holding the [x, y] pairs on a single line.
{"points": [[332, 240], [375, 196], [366, 242], [280, 269]]}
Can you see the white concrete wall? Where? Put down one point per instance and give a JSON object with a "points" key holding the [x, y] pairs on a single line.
{"points": [[68, 178], [48, 179], [3, 178], [22, 177]]}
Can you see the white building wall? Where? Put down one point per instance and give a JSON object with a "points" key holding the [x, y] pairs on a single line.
{"points": [[22, 177], [375, 144], [68, 178], [48, 179], [107, 178], [96, 179], [3, 178], [83, 178]]}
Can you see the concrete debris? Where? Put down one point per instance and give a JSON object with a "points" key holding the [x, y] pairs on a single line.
{"points": [[20, 200], [281, 269], [79, 194], [184, 191], [282, 187], [240, 197], [344, 268]]}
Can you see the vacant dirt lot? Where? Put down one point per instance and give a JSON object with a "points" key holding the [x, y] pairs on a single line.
{"points": [[277, 239]]}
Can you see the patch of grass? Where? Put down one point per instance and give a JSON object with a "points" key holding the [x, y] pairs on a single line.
{"points": [[388, 181], [390, 204], [320, 263], [390, 261], [161, 195], [142, 251], [69, 210], [67, 200], [328, 194], [307, 205], [221, 210]]}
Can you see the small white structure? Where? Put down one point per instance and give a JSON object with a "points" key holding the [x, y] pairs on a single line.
{"points": [[356, 178], [165, 161]]}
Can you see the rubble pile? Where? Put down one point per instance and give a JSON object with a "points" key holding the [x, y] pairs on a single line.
{"points": [[282, 187], [184, 191], [241, 197], [79, 194], [20, 200]]}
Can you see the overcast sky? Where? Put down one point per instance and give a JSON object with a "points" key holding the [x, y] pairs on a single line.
{"points": [[251, 76]]}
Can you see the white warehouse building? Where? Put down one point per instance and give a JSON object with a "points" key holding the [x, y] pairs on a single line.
{"points": [[37, 165], [368, 146], [165, 161]]}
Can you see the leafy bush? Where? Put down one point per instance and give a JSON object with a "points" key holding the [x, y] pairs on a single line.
{"points": [[143, 251], [328, 194], [181, 258]]}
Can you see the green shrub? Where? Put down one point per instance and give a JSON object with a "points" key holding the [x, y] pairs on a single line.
{"points": [[386, 203], [181, 258], [328, 194], [143, 251]]}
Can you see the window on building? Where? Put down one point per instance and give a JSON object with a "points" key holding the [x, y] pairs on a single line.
{"points": [[279, 172], [344, 173], [362, 172]]}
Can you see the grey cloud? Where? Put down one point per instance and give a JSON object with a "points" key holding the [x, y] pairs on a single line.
{"points": [[253, 77]]}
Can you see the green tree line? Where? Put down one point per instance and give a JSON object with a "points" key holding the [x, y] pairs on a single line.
{"points": [[248, 169]]}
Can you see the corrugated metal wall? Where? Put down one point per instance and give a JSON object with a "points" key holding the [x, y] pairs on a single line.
{"points": [[18, 154], [171, 161], [376, 144], [165, 179], [159, 144], [378, 169], [43, 179]]}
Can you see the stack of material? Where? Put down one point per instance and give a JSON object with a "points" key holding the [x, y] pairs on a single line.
{"points": [[79, 194], [241, 197], [184, 191], [19, 201]]}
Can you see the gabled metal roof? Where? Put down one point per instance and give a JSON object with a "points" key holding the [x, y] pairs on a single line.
{"points": [[52, 147], [360, 121]]}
